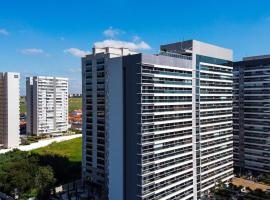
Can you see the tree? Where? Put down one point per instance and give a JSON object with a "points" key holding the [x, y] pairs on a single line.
{"points": [[44, 181], [17, 171], [20, 171]]}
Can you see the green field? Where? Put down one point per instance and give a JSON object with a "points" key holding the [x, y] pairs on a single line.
{"points": [[74, 104], [64, 158], [22, 105], [72, 149]]}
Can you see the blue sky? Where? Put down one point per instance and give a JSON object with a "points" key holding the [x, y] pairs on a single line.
{"points": [[47, 37]]}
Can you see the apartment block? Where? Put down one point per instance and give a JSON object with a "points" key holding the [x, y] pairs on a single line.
{"points": [[158, 126], [47, 105], [9, 109], [252, 114]]}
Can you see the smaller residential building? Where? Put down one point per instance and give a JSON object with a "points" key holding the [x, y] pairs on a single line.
{"points": [[76, 112], [75, 95], [75, 120], [9, 109], [47, 105]]}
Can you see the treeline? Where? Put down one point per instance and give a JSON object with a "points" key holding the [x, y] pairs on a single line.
{"points": [[26, 174]]}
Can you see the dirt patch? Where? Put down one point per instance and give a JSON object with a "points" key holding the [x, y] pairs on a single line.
{"points": [[247, 183]]}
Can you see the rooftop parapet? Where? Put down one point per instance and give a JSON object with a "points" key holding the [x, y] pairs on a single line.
{"points": [[168, 59], [256, 57]]}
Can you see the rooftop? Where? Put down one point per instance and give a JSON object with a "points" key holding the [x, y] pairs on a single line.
{"points": [[190, 47], [256, 57]]}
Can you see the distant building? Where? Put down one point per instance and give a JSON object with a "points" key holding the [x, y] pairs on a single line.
{"points": [[75, 119], [47, 105], [158, 126], [9, 109], [75, 95], [252, 113], [76, 112]]}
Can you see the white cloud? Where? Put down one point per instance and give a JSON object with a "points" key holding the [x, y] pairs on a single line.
{"points": [[4, 32], [32, 51], [136, 38], [74, 69], [77, 52], [112, 32], [122, 44]]}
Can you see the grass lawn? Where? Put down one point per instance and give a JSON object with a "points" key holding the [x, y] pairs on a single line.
{"points": [[72, 149], [22, 105], [74, 103]]}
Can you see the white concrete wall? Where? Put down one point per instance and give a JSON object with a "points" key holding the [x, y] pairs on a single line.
{"points": [[10, 111], [213, 51], [13, 96]]}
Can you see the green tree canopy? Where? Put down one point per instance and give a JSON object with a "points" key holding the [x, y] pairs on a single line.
{"points": [[21, 171]]}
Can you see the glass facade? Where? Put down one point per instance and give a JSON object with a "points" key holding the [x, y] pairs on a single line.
{"points": [[213, 122], [177, 121], [166, 132], [251, 115]]}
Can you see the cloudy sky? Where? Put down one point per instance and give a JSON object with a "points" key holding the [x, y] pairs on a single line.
{"points": [[49, 37]]}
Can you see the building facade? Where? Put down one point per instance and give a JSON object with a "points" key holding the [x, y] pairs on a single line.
{"points": [[9, 109], [95, 112], [47, 105], [158, 126], [252, 114]]}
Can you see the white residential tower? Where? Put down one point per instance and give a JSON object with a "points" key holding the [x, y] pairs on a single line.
{"points": [[47, 105], [9, 109]]}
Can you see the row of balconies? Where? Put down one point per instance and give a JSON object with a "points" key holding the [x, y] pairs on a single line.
{"points": [[217, 149], [169, 182], [148, 179], [155, 157], [150, 168], [151, 138], [162, 127], [152, 148]]}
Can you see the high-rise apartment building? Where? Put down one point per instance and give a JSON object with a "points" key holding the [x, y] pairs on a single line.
{"points": [[9, 109], [158, 126], [252, 113], [47, 105]]}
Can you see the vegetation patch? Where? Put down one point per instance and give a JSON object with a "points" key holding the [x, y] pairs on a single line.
{"points": [[21, 174], [75, 103], [71, 149], [22, 105], [265, 178], [34, 173]]}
